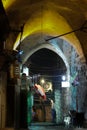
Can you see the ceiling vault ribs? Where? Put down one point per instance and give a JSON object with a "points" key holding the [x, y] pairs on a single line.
{"points": [[48, 18]]}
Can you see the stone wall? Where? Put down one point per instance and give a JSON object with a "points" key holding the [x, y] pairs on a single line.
{"points": [[58, 106], [62, 103], [74, 97], [78, 74]]}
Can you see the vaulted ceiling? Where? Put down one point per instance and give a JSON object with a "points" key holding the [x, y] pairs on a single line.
{"points": [[39, 20]]}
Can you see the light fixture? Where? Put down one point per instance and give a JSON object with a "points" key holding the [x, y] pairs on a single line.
{"points": [[42, 81], [65, 84], [63, 78], [26, 71]]}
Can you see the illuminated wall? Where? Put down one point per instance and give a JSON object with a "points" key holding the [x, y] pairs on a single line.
{"points": [[73, 98]]}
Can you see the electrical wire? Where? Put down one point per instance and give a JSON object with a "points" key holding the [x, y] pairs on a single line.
{"points": [[46, 69], [42, 75]]}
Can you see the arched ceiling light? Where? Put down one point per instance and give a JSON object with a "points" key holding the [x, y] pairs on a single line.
{"points": [[83, 28]]}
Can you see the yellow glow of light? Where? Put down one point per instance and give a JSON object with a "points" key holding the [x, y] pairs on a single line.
{"points": [[7, 3], [42, 81], [49, 23]]}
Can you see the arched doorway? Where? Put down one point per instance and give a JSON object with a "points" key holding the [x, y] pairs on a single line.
{"points": [[50, 67]]}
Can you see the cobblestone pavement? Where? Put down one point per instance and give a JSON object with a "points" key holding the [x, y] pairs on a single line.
{"points": [[53, 128]]}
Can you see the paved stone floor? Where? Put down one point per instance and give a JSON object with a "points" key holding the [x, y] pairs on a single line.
{"points": [[46, 128], [53, 128]]}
